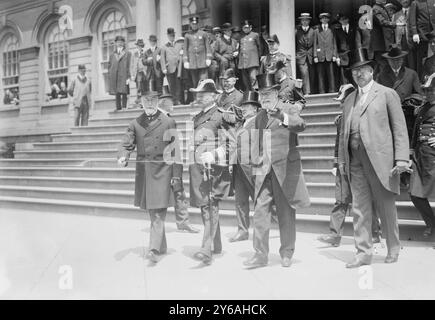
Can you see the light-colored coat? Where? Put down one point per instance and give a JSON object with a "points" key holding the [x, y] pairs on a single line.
{"points": [[170, 57], [383, 133]]}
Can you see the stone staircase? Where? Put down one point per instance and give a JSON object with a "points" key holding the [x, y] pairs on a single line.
{"points": [[55, 176]]}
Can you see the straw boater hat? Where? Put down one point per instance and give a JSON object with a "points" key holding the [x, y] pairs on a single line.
{"points": [[305, 16], [324, 15], [206, 85]]}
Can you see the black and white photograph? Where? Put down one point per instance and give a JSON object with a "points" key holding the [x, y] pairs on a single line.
{"points": [[217, 151]]}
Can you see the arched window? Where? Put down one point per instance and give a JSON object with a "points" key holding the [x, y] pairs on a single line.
{"points": [[114, 25], [10, 69], [57, 53]]}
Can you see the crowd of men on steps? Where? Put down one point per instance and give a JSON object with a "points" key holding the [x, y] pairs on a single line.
{"points": [[245, 143]]}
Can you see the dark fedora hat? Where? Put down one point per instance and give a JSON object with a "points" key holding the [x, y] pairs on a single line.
{"points": [[170, 31], [119, 38], [267, 81], [250, 97], [206, 85], [139, 42], [273, 38], [395, 53], [217, 30], [358, 58], [152, 37], [81, 67], [165, 92], [229, 73], [227, 26]]}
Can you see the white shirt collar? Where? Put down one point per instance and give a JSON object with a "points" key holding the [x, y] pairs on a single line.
{"points": [[227, 37], [366, 88]]}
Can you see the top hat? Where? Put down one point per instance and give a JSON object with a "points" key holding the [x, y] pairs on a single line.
{"points": [[324, 14], [82, 67], [139, 42], [305, 15], [170, 31], [273, 38], [152, 38], [165, 92], [395, 53], [194, 19], [430, 82], [391, 6], [119, 38], [150, 89], [206, 85], [229, 73], [250, 97], [267, 82], [358, 58], [226, 26], [246, 23], [217, 30]]}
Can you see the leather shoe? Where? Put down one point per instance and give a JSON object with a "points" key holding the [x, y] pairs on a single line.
{"points": [[239, 236], [286, 262], [255, 262], [330, 239], [391, 258], [188, 228], [356, 263], [152, 256], [202, 257]]}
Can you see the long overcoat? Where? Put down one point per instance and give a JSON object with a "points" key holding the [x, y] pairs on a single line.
{"points": [[119, 72]]}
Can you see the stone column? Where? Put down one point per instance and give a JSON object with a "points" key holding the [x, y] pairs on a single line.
{"points": [[30, 107], [282, 23], [170, 17], [146, 19]]}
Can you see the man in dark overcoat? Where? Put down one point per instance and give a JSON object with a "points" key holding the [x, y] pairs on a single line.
{"points": [[151, 59], [119, 73], [422, 187], [153, 135], [210, 179], [345, 34], [278, 172]]}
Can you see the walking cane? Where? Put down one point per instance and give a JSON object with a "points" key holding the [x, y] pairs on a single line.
{"points": [[208, 177]]}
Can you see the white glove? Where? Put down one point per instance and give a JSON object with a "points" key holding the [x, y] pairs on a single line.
{"points": [[431, 142], [181, 52], [150, 58], [165, 71], [208, 62], [235, 53], [186, 65], [122, 162], [207, 158], [127, 81], [158, 58], [416, 38], [334, 59], [316, 60], [334, 171], [338, 61]]}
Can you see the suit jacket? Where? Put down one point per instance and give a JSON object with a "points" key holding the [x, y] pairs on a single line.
{"points": [[405, 84], [345, 42], [223, 52], [153, 67], [197, 49], [249, 51], [382, 34], [153, 177], [136, 64], [325, 45], [225, 100], [383, 133], [170, 57], [243, 150], [268, 63], [119, 71], [280, 154], [428, 67], [304, 45], [422, 17]]}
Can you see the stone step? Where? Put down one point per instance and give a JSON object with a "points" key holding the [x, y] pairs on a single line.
{"points": [[316, 149], [320, 116], [181, 126], [88, 136], [76, 145], [320, 127], [328, 106], [71, 172], [69, 154], [127, 119], [320, 98], [317, 138]]}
